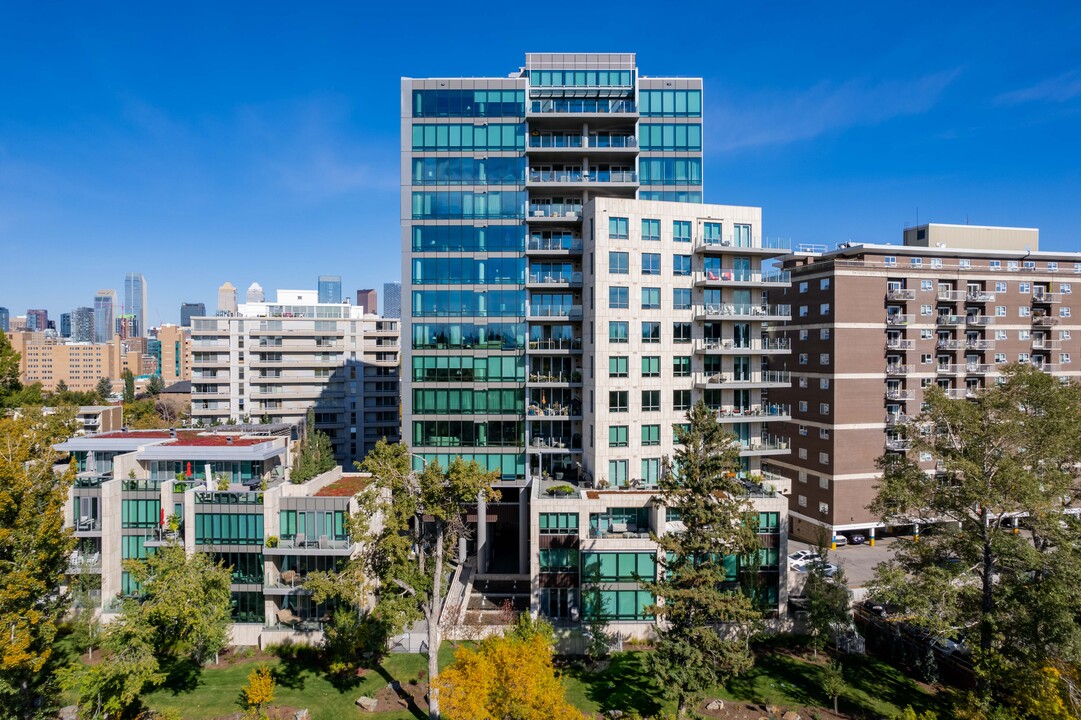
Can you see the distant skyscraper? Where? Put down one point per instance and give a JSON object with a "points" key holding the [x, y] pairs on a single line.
{"points": [[369, 300], [330, 288], [392, 300], [127, 326], [255, 293], [190, 310], [104, 315], [81, 325], [227, 299], [5, 319], [135, 301], [37, 320], [65, 325]]}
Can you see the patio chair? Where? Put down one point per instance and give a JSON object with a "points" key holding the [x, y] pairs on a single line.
{"points": [[301, 540], [289, 577], [324, 542], [287, 617]]}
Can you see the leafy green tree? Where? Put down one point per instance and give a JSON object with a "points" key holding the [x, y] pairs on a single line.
{"points": [[104, 389], [34, 551], [316, 454], [61, 388], [9, 369], [833, 682], [1012, 451], [421, 515], [703, 625], [155, 385], [828, 604], [185, 599], [113, 688], [129, 386]]}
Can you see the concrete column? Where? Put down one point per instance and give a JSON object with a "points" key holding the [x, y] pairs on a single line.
{"points": [[523, 531], [482, 534], [871, 537], [463, 549]]}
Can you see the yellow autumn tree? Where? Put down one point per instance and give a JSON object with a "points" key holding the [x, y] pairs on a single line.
{"points": [[259, 691], [506, 678]]}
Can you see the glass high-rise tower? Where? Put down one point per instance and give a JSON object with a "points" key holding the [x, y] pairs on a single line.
{"points": [[135, 302], [495, 172]]}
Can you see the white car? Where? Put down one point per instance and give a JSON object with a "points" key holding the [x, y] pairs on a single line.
{"points": [[828, 569], [801, 557]]}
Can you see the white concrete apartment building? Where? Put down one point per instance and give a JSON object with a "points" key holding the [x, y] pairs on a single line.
{"points": [[276, 360], [674, 311]]}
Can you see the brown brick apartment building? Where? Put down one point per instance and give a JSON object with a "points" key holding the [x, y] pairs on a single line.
{"points": [[872, 325]]}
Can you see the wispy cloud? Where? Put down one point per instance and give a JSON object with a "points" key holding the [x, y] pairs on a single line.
{"points": [[780, 117], [1057, 89]]}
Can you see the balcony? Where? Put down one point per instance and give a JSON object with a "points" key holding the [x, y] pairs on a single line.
{"points": [[979, 296], [583, 107], [957, 393], [743, 246], [899, 394], [900, 295], [948, 320], [558, 346], [731, 347], [950, 295], [979, 320], [555, 142], [763, 445], [1041, 297], [754, 413], [561, 245], [979, 368], [948, 369], [87, 525], [555, 312], [1044, 344], [729, 381], [897, 419], [300, 544], [1044, 320], [540, 378], [553, 411], [556, 279], [950, 344], [898, 369], [898, 444], [897, 320], [742, 312], [555, 211], [579, 177], [898, 344], [84, 562], [1049, 368], [732, 277], [551, 444], [979, 344]]}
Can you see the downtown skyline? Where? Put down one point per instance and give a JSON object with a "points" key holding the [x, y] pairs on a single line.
{"points": [[199, 151]]}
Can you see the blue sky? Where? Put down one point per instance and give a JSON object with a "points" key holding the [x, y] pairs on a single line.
{"points": [[205, 142]]}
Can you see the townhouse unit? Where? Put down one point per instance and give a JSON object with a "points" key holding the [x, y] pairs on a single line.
{"points": [[226, 493], [568, 297], [875, 325], [275, 361]]}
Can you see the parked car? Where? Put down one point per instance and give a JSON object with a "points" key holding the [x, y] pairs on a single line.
{"points": [[873, 607], [840, 541], [800, 557], [857, 539], [828, 569]]}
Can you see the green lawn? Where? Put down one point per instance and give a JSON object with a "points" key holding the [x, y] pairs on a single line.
{"points": [[874, 687], [216, 692]]}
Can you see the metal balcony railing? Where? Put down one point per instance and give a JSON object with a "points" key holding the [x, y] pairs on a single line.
{"points": [[554, 244], [900, 294]]}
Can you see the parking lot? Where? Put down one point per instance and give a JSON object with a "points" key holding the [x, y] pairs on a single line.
{"points": [[857, 561]]}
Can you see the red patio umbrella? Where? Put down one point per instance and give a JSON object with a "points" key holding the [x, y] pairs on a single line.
{"points": [[189, 468]]}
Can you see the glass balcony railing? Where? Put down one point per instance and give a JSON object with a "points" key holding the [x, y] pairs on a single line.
{"points": [[555, 141], [593, 107], [567, 242], [579, 176], [743, 311], [555, 210], [555, 278], [556, 311]]}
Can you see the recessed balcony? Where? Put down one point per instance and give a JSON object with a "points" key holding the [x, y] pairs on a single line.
{"points": [[728, 311], [732, 381], [766, 346], [734, 277]]}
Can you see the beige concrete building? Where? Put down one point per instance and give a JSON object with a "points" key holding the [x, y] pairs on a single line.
{"points": [[175, 353], [49, 360], [875, 325], [276, 360]]}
